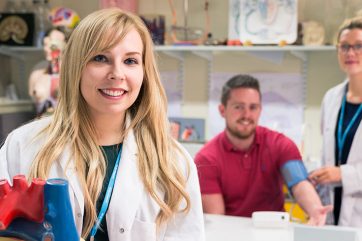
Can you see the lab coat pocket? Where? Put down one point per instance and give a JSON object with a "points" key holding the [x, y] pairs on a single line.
{"points": [[356, 213], [142, 231]]}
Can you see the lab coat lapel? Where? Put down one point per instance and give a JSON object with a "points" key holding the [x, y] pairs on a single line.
{"points": [[331, 122], [128, 189], [71, 175], [354, 156]]}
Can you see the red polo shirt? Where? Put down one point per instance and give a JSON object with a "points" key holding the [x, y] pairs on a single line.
{"points": [[248, 180]]}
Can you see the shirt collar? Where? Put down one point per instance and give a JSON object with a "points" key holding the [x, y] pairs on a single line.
{"points": [[230, 147]]}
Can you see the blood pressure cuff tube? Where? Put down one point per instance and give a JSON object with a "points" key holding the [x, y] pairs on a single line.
{"points": [[294, 172]]}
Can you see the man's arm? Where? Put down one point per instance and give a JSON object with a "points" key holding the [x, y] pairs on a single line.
{"points": [[213, 203], [307, 197]]}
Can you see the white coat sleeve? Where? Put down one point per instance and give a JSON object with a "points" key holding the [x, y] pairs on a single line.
{"points": [[324, 190], [188, 226], [352, 178], [5, 155], [322, 125]]}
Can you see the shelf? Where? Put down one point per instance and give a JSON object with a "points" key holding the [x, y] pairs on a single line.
{"points": [[5, 102], [21, 49], [18, 52], [221, 48], [10, 106], [176, 50], [206, 52], [244, 48]]}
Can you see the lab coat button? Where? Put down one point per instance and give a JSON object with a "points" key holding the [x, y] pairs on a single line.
{"points": [[79, 215], [121, 230]]}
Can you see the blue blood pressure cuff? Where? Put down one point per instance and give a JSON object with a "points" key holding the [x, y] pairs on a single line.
{"points": [[294, 172]]}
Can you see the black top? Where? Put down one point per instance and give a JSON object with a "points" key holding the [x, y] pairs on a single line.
{"points": [[349, 111], [111, 153]]}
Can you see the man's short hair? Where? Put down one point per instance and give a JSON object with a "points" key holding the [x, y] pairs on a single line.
{"points": [[239, 81]]}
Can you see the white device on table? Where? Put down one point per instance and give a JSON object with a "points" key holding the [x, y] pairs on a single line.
{"points": [[270, 219]]}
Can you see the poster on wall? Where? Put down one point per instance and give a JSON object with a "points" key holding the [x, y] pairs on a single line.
{"points": [[264, 21], [17, 29], [234, 20], [188, 129], [174, 88], [283, 98]]}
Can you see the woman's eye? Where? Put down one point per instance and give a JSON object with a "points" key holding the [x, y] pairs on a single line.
{"points": [[131, 61], [100, 58], [358, 47]]}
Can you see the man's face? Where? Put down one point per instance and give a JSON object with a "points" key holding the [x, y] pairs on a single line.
{"points": [[242, 112]]}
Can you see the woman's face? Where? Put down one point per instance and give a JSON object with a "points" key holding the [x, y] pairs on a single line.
{"points": [[111, 80], [350, 51]]}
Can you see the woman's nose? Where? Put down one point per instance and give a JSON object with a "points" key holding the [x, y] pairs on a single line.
{"points": [[116, 73]]}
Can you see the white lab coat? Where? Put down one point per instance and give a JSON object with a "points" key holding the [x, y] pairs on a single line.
{"points": [[132, 212], [351, 209]]}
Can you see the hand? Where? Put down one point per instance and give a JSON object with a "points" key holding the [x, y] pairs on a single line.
{"points": [[326, 175], [319, 215]]}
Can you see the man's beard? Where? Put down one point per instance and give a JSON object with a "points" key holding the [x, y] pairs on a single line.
{"points": [[241, 135]]}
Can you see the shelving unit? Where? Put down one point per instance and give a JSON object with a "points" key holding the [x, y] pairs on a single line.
{"points": [[11, 106], [18, 52], [182, 48], [261, 51], [243, 48], [214, 59], [319, 62], [178, 52], [19, 56]]}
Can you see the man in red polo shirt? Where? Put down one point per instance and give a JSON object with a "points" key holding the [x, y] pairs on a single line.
{"points": [[243, 169]]}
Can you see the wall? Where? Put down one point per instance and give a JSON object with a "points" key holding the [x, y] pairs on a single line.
{"points": [[322, 67], [323, 71]]}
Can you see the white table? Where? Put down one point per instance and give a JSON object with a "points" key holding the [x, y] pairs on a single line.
{"points": [[230, 228]]}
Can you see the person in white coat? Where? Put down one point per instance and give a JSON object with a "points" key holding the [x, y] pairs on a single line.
{"points": [[112, 112], [341, 174]]}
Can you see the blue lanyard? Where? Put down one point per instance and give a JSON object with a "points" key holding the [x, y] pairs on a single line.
{"points": [[342, 137], [107, 197]]}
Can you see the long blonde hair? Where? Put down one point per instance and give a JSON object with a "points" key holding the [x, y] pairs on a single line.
{"points": [[72, 126]]}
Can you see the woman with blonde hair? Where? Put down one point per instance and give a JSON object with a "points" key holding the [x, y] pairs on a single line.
{"points": [[112, 113]]}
